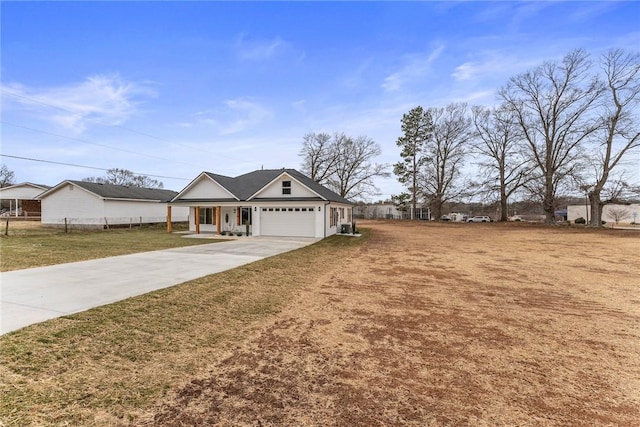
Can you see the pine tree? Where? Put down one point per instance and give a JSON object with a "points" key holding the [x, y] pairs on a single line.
{"points": [[417, 129]]}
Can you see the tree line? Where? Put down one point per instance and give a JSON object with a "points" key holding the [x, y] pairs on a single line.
{"points": [[559, 127]]}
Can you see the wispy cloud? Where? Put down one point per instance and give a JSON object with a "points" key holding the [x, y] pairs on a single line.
{"points": [[299, 105], [512, 14], [260, 50], [416, 66], [491, 63], [104, 99], [236, 116]]}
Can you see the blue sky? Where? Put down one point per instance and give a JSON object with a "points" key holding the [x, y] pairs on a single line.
{"points": [[175, 88]]}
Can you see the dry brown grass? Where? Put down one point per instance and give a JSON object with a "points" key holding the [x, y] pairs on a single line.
{"points": [[104, 366], [421, 324], [450, 324]]}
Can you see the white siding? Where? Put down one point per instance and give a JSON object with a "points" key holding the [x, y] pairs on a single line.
{"points": [[206, 189], [134, 212], [73, 203], [178, 213], [83, 208], [344, 216], [275, 189], [25, 191]]}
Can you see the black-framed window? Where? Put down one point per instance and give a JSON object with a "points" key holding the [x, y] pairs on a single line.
{"points": [[286, 187], [206, 216]]}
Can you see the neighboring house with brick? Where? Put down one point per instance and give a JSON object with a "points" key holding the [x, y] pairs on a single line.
{"points": [[21, 199]]}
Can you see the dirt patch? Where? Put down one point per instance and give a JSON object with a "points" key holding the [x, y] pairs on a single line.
{"points": [[442, 324]]}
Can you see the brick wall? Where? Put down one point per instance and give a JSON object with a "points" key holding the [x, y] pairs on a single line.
{"points": [[32, 207]]}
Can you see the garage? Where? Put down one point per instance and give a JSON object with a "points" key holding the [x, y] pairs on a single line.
{"points": [[288, 221]]}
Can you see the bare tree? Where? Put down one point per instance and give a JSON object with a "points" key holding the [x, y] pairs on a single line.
{"points": [[125, 177], [7, 177], [417, 128], [355, 170], [618, 213], [444, 155], [319, 156], [343, 163], [620, 124], [498, 140], [552, 103]]}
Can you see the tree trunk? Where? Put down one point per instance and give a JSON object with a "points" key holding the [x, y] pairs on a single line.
{"points": [[504, 213], [504, 208], [436, 206], [548, 203], [596, 208]]}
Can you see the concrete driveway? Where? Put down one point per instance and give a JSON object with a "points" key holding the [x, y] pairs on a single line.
{"points": [[38, 294]]}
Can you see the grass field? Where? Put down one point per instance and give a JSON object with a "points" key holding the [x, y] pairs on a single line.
{"points": [[104, 366], [30, 245], [415, 324]]}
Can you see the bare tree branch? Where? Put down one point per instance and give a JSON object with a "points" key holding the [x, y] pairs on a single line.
{"points": [[552, 104]]}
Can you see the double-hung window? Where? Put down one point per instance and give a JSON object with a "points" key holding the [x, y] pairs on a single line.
{"points": [[286, 187]]}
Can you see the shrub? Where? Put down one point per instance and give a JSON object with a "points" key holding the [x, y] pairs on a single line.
{"points": [[580, 221]]}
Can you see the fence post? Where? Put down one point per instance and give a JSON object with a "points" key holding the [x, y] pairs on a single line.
{"points": [[106, 222], [6, 227], [66, 227], [140, 222]]}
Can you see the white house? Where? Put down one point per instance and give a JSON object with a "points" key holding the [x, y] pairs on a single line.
{"points": [[273, 202], [92, 205], [22, 199], [610, 213], [376, 211]]}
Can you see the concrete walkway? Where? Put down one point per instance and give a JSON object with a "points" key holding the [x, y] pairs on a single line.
{"points": [[38, 294]]}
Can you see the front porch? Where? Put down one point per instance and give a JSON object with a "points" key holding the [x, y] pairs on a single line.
{"points": [[220, 220]]}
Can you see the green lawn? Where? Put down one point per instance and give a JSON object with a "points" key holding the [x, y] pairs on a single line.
{"points": [[29, 245], [107, 365]]}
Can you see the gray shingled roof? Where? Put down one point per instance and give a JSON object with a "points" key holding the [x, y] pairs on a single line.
{"points": [[110, 191], [245, 186]]}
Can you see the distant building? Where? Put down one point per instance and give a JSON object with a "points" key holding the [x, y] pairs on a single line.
{"points": [[623, 213], [21, 199], [92, 205]]}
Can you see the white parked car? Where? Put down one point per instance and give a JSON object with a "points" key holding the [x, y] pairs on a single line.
{"points": [[479, 219]]}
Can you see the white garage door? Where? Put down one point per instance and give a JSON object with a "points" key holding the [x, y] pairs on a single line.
{"points": [[295, 221]]}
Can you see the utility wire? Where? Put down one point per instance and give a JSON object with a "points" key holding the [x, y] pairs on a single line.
{"points": [[90, 142], [86, 167], [37, 101]]}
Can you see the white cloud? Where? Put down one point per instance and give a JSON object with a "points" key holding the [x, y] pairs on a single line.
{"points": [[103, 99], [240, 114], [417, 65], [492, 63], [259, 50], [299, 105]]}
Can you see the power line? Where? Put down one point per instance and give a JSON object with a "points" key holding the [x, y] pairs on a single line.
{"points": [[86, 167], [91, 142], [37, 101]]}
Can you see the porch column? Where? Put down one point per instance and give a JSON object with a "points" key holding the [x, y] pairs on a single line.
{"points": [[218, 217], [168, 218], [197, 215]]}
